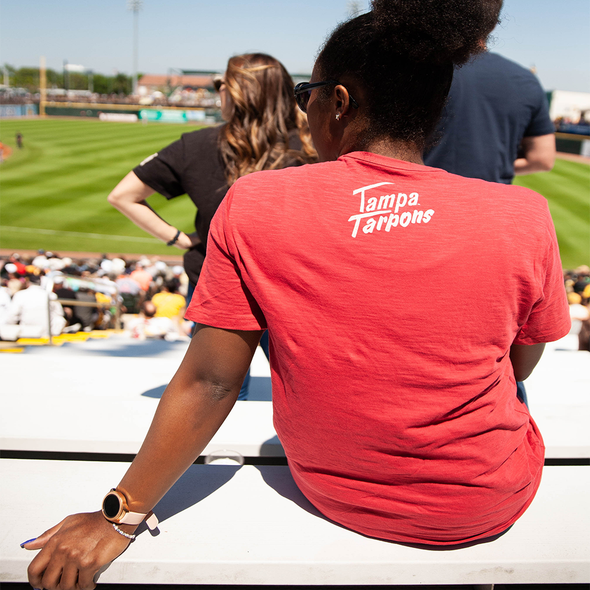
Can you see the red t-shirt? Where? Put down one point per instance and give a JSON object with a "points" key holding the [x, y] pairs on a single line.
{"points": [[392, 293]]}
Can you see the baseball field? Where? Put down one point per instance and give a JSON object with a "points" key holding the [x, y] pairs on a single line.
{"points": [[53, 191]]}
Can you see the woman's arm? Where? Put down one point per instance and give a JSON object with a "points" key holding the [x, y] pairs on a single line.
{"points": [[538, 154], [524, 358], [129, 197], [194, 405]]}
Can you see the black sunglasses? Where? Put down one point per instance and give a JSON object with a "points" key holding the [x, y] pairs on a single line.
{"points": [[217, 83], [303, 92]]}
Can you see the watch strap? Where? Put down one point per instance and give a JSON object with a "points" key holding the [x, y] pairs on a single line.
{"points": [[151, 521], [132, 518], [137, 518]]}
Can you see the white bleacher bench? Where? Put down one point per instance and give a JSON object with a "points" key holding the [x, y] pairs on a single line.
{"points": [[64, 406], [224, 525], [250, 525]]}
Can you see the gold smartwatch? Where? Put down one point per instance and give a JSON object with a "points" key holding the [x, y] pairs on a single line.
{"points": [[116, 509]]}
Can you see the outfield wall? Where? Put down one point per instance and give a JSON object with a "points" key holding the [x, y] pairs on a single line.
{"points": [[571, 143], [15, 111], [147, 114]]}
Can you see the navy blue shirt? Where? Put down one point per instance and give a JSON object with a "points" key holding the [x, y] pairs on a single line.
{"points": [[492, 105]]}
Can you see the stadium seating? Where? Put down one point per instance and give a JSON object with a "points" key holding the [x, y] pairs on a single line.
{"points": [[250, 525]]}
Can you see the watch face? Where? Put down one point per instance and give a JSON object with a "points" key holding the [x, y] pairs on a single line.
{"points": [[111, 505]]}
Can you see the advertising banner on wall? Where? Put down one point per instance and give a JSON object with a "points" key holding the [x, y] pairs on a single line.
{"points": [[18, 110], [171, 116]]}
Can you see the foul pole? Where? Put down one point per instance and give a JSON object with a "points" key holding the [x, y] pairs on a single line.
{"points": [[42, 86]]}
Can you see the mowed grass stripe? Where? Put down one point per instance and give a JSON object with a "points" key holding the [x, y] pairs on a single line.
{"points": [[68, 167], [115, 150], [66, 242], [567, 190], [63, 176]]}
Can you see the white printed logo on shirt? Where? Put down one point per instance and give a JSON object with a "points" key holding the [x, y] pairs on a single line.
{"points": [[386, 211]]}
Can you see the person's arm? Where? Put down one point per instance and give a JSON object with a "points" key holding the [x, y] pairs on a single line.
{"points": [[524, 358], [129, 197], [537, 154], [194, 405]]}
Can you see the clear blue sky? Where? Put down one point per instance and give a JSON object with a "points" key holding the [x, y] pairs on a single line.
{"points": [[553, 35]]}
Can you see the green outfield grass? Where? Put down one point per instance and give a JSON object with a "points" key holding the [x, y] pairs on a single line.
{"points": [[53, 192], [567, 189]]}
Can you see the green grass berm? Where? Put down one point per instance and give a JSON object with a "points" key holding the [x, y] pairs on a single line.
{"points": [[53, 191]]}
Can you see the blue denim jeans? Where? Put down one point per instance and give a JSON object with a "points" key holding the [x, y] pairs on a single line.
{"points": [[521, 393]]}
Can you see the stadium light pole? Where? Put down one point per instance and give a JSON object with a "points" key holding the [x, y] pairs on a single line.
{"points": [[135, 7]]}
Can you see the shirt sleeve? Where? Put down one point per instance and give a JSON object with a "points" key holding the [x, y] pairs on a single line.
{"points": [[222, 298], [163, 170], [540, 123], [549, 319]]}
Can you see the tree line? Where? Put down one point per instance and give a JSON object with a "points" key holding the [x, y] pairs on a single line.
{"points": [[28, 78]]}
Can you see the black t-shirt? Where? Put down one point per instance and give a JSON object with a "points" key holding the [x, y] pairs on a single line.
{"points": [[193, 165]]}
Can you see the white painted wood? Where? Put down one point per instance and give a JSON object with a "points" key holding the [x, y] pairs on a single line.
{"points": [[95, 404], [251, 525], [44, 396]]}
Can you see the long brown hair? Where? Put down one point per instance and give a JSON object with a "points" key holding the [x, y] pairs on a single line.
{"points": [[263, 113]]}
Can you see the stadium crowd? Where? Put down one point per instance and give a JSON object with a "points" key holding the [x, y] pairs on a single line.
{"points": [[148, 295]]}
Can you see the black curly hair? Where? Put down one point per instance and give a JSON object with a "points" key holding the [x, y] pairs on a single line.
{"points": [[402, 55]]}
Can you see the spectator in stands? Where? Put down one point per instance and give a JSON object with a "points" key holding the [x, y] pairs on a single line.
{"points": [[64, 292], [397, 423], [28, 313], [21, 268], [580, 316], [130, 292], [581, 284], [5, 298], [87, 315], [105, 314], [146, 325], [40, 261], [14, 281], [496, 122], [169, 303], [54, 262], [141, 276], [181, 278]]}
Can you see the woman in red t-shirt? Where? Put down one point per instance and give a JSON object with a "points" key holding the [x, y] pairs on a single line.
{"points": [[377, 90]]}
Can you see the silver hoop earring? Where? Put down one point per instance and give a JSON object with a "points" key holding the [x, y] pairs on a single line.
{"points": [[337, 116]]}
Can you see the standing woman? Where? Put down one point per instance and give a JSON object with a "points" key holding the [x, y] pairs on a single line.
{"points": [[387, 430], [264, 130]]}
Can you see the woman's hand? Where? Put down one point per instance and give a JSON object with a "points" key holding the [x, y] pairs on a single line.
{"points": [[74, 551], [186, 241]]}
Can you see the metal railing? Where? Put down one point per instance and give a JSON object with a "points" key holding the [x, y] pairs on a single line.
{"points": [[95, 285]]}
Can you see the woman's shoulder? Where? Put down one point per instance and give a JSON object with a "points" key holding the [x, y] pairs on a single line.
{"points": [[273, 185], [204, 135]]}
